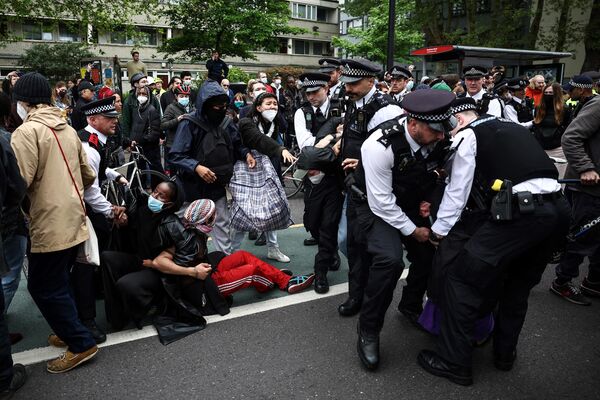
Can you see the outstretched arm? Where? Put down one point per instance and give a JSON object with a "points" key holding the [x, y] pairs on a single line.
{"points": [[164, 263]]}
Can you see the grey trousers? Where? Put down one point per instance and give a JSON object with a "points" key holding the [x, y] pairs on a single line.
{"points": [[220, 233]]}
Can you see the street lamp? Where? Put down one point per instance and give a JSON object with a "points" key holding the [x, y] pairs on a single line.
{"points": [[391, 34]]}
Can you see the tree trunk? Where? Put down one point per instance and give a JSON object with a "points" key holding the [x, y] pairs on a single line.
{"points": [[592, 40], [534, 28], [563, 25]]}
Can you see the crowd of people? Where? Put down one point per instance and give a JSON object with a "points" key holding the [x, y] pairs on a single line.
{"points": [[458, 171]]}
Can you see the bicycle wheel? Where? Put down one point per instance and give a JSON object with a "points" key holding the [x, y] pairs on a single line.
{"points": [[291, 185], [146, 177]]}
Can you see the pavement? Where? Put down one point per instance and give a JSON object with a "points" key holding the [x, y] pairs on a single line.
{"points": [[279, 346]]}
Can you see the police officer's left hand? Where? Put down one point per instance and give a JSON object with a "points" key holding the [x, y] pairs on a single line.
{"points": [[421, 234]]}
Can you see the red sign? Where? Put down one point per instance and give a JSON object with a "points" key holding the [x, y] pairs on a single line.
{"points": [[427, 51]]}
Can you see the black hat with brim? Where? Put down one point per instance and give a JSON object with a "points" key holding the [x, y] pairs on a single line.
{"points": [[474, 71], [579, 81], [462, 104], [313, 81], [516, 84], [329, 64], [398, 72]]}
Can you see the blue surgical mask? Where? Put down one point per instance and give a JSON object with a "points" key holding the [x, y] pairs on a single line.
{"points": [[238, 104], [184, 101], [155, 205]]}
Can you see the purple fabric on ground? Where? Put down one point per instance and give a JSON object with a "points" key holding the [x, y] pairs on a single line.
{"points": [[432, 314]]}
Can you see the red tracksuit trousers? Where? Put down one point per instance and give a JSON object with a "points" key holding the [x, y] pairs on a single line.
{"points": [[242, 269]]}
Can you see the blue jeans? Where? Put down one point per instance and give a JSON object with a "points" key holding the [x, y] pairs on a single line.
{"points": [[14, 254], [343, 230]]}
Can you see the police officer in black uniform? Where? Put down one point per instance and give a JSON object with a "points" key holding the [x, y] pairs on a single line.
{"points": [[487, 103], [519, 108], [507, 252], [101, 124], [399, 77], [395, 175], [315, 125], [367, 108]]}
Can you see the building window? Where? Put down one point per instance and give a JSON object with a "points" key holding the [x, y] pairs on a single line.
{"points": [[318, 48], [120, 37], [68, 33], [301, 47], [356, 23], [322, 14], [283, 45], [148, 36], [37, 31], [145, 37], [304, 11]]}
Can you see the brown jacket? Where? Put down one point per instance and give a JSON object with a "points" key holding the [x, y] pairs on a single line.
{"points": [[57, 218]]}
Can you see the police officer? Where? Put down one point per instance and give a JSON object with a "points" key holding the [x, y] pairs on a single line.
{"points": [[487, 103], [323, 191], [333, 68], [519, 108], [367, 108], [396, 178], [508, 251], [399, 78], [101, 123], [580, 90]]}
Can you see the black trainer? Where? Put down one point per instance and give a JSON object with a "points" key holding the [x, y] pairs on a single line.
{"points": [[569, 292], [18, 380]]}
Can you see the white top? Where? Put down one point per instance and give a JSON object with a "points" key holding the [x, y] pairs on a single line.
{"points": [[92, 195], [335, 88], [378, 162], [511, 113], [304, 137], [494, 107], [383, 114], [461, 176]]}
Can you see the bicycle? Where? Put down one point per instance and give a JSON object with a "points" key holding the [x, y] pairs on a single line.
{"points": [[292, 184]]}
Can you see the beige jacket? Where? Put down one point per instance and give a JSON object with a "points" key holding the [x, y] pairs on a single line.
{"points": [[57, 218]]}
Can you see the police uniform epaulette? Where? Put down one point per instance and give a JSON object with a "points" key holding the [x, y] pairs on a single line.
{"points": [[388, 130], [91, 139]]}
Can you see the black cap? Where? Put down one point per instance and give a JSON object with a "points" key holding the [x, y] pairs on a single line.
{"points": [[516, 84], [579, 81], [463, 104], [399, 72], [136, 77], [32, 88], [84, 84], [474, 71], [313, 81], [353, 70], [329, 64], [105, 107], [431, 106]]}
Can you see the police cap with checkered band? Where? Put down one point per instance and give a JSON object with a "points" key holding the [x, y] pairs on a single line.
{"points": [[329, 64], [431, 107], [398, 72], [313, 81], [474, 71], [105, 107], [353, 70]]}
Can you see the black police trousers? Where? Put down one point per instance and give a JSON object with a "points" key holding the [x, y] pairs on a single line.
{"points": [[322, 211], [498, 267], [359, 219]]}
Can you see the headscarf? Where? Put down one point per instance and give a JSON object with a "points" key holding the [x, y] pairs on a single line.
{"points": [[200, 215]]}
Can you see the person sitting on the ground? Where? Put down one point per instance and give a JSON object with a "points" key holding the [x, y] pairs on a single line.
{"points": [[231, 273]]}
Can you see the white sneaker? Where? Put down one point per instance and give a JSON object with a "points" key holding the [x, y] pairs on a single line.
{"points": [[274, 254]]}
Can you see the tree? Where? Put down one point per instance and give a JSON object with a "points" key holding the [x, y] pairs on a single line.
{"points": [[56, 62], [592, 40], [104, 15], [372, 41], [234, 28]]}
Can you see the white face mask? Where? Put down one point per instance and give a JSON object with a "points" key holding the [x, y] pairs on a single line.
{"points": [[409, 86], [21, 111], [258, 92], [187, 82], [142, 99], [264, 80], [269, 115]]}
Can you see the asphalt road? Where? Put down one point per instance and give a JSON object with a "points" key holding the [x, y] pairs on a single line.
{"points": [[307, 351]]}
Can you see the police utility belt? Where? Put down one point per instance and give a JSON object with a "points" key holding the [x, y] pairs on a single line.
{"points": [[505, 203]]}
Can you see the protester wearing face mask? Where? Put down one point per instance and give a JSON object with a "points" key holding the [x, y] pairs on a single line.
{"points": [[145, 129], [262, 78], [186, 80], [61, 99], [206, 166], [279, 92], [131, 104], [551, 119], [264, 118], [174, 113]]}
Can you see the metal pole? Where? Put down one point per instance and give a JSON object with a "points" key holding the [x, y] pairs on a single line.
{"points": [[391, 34]]}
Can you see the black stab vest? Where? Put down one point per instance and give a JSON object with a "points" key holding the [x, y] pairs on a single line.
{"points": [[103, 151], [524, 111]]}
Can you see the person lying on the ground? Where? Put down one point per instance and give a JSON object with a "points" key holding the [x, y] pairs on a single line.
{"points": [[231, 273]]}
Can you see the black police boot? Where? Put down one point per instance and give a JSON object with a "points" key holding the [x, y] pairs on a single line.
{"points": [[311, 241], [436, 365], [321, 283], [368, 348], [18, 380], [350, 307], [261, 241], [336, 262], [97, 333], [504, 362], [411, 315]]}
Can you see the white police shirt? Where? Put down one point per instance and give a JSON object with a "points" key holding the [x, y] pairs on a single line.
{"points": [[383, 114], [304, 137], [511, 113], [494, 106], [378, 162], [460, 180], [93, 195]]}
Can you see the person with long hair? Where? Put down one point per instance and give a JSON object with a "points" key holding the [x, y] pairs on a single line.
{"points": [[551, 117]]}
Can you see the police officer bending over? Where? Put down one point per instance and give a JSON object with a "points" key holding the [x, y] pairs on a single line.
{"points": [[519, 108], [486, 103], [367, 108], [323, 192], [395, 174], [508, 252]]}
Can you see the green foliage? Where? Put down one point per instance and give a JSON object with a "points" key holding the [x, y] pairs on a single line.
{"points": [[56, 62], [233, 27], [236, 74], [372, 41], [285, 71]]}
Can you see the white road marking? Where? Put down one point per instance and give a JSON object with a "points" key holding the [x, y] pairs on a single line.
{"points": [[40, 354]]}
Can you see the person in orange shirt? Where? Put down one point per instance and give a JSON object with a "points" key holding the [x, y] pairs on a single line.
{"points": [[535, 90]]}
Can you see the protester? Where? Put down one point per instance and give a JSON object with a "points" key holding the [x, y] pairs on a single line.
{"points": [[535, 89], [226, 87], [217, 68], [255, 88], [174, 113], [54, 165], [186, 80], [85, 92], [262, 78], [551, 117], [169, 96], [145, 129], [61, 99]]}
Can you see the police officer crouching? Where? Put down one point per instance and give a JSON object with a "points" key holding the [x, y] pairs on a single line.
{"points": [[366, 109], [315, 126], [501, 173], [519, 108], [395, 176]]}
